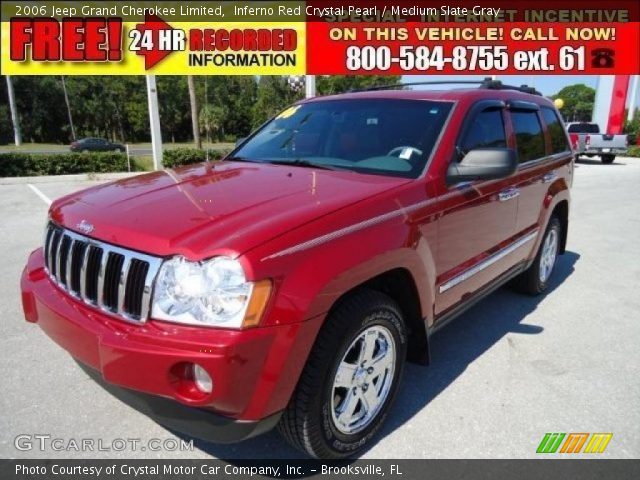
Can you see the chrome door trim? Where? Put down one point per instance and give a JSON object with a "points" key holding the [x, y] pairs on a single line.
{"points": [[508, 194], [500, 254]]}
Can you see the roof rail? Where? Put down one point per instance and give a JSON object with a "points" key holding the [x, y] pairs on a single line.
{"points": [[411, 84], [487, 83], [498, 85]]}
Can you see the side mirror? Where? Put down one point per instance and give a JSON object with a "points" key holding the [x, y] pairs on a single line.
{"points": [[240, 141], [483, 164]]}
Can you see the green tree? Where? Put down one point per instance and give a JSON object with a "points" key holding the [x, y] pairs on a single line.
{"points": [[173, 97], [115, 107], [272, 96], [236, 95], [38, 101], [211, 120], [632, 128], [332, 84], [578, 102], [6, 128], [111, 106]]}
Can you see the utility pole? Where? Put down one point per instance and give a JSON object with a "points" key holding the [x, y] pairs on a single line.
{"points": [[634, 96], [66, 100], [14, 113], [310, 86], [154, 122]]}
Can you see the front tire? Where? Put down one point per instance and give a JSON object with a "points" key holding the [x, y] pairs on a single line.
{"points": [[535, 279], [350, 380], [607, 159]]}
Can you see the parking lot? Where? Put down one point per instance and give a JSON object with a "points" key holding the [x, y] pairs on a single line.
{"points": [[505, 373]]}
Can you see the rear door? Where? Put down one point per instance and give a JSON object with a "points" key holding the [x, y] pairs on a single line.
{"points": [[533, 170], [478, 218], [542, 149]]}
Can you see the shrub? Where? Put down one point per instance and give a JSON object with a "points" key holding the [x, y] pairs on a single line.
{"points": [[186, 156], [634, 151], [31, 164]]}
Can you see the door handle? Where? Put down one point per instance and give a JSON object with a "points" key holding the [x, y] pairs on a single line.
{"points": [[549, 177], [508, 194]]}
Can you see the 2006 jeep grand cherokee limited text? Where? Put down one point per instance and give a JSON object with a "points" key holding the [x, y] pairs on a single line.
{"points": [[288, 284]]}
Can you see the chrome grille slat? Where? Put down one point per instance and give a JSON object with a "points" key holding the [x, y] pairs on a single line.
{"points": [[69, 259], [59, 258], [122, 283], [89, 259], [93, 270], [112, 281], [83, 273], [53, 250], [101, 275], [78, 251], [48, 239], [146, 292]]}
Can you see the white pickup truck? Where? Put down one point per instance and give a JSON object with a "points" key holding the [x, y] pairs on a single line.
{"points": [[586, 139]]}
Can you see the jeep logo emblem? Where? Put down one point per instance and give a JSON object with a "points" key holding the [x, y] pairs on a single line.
{"points": [[85, 227]]}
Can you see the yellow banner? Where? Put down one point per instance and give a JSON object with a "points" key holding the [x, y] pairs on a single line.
{"points": [[100, 38]]}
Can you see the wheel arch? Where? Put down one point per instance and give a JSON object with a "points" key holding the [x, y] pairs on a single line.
{"points": [[561, 210], [399, 284]]}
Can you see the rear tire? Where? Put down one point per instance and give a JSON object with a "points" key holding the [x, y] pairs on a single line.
{"points": [[535, 279], [607, 159], [356, 363]]}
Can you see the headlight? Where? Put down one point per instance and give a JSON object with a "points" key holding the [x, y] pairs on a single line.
{"points": [[214, 293]]}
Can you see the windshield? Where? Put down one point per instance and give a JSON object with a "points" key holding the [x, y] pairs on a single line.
{"points": [[379, 136]]}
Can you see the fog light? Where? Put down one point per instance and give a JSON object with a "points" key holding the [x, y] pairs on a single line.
{"points": [[202, 379]]}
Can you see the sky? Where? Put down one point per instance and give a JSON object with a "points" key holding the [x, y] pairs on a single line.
{"points": [[547, 84]]}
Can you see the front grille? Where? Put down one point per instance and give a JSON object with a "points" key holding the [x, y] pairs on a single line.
{"points": [[113, 279]]}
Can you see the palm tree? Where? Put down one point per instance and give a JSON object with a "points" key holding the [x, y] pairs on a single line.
{"points": [[211, 119], [194, 111]]}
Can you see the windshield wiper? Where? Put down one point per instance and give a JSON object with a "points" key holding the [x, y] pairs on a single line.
{"points": [[299, 162]]}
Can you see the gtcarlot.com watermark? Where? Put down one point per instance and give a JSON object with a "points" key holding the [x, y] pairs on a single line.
{"points": [[49, 443]]}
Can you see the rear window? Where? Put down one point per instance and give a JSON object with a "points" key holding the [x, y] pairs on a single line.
{"points": [[556, 131], [584, 128], [529, 135]]}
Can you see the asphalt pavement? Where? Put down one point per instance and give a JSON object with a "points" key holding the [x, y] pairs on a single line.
{"points": [[505, 373]]}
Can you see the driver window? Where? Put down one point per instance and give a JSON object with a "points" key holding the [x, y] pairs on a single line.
{"points": [[486, 131]]}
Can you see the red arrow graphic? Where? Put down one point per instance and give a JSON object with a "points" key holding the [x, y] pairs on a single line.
{"points": [[153, 55]]}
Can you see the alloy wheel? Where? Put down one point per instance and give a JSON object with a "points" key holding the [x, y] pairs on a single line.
{"points": [[363, 379]]}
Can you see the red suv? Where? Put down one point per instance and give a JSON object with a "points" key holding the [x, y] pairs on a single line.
{"points": [[287, 285]]}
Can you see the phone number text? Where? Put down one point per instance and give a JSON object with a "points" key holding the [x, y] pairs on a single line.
{"points": [[473, 57]]}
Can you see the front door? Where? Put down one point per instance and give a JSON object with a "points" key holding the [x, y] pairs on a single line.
{"points": [[478, 218]]}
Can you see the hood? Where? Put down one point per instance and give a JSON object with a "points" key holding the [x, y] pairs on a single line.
{"points": [[213, 209]]}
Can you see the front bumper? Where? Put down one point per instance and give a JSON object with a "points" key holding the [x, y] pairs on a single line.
{"points": [[195, 422], [254, 371]]}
